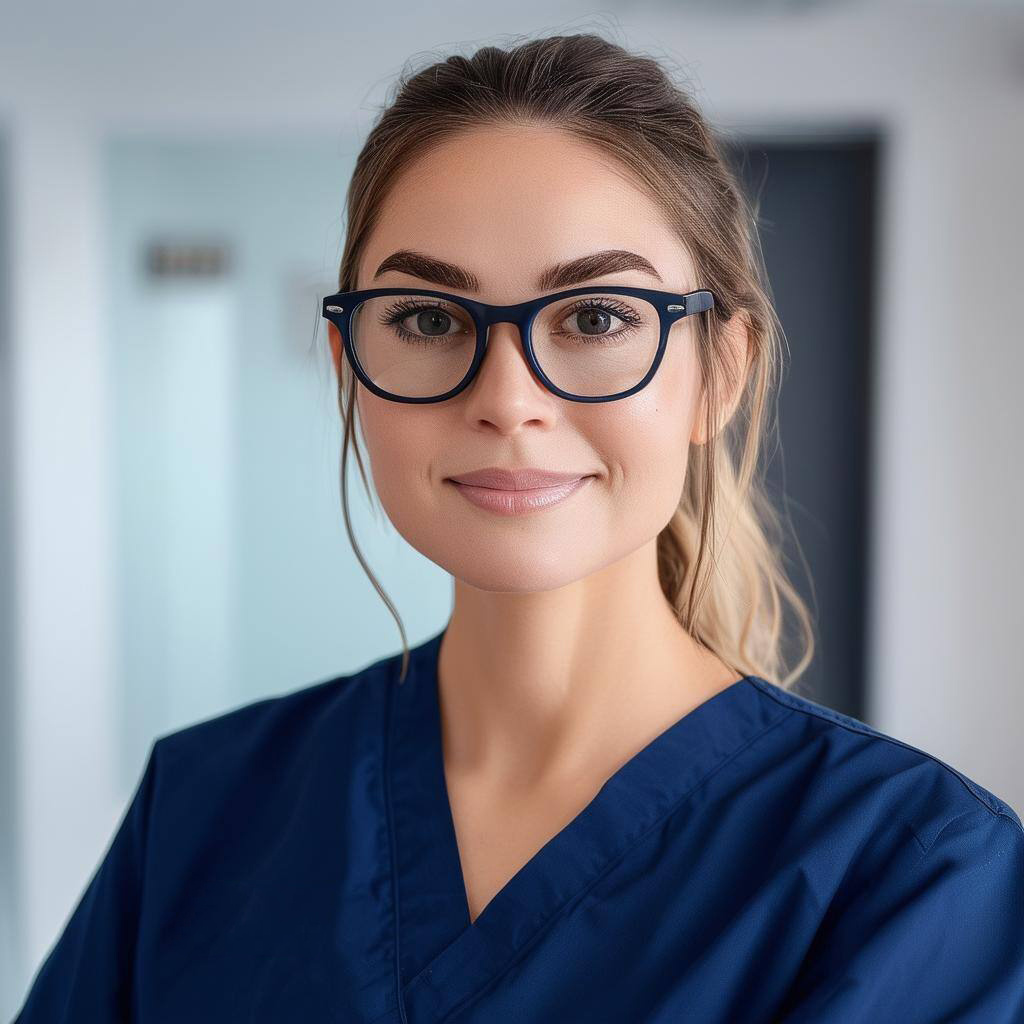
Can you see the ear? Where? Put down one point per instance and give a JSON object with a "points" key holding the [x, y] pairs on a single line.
{"points": [[334, 335], [736, 340]]}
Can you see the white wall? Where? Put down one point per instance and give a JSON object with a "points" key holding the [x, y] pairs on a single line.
{"points": [[947, 88]]}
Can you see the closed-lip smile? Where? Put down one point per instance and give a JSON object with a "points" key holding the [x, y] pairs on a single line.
{"points": [[512, 491]]}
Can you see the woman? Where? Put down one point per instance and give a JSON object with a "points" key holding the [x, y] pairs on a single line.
{"points": [[583, 799]]}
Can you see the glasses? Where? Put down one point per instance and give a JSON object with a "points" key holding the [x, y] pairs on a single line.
{"points": [[584, 344]]}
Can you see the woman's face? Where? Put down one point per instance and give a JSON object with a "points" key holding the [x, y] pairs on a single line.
{"points": [[507, 205]]}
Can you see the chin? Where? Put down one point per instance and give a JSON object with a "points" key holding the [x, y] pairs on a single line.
{"points": [[512, 568]]}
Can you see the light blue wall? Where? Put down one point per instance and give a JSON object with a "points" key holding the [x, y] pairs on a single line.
{"points": [[236, 578], [9, 908]]}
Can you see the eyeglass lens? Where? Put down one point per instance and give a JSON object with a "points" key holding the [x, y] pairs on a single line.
{"points": [[591, 345]]}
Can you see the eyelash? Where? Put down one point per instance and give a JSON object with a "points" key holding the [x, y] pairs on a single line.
{"points": [[625, 313], [394, 314], [397, 312]]}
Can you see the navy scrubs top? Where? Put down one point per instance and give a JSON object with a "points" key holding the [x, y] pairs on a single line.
{"points": [[763, 859]]}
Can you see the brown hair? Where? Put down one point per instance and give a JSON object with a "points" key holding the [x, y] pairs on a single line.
{"points": [[730, 591]]}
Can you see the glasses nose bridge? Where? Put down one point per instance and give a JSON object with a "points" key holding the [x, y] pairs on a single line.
{"points": [[517, 315]]}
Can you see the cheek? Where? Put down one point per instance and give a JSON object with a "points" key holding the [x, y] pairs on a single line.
{"points": [[648, 452], [397, 445], [650, 436]]}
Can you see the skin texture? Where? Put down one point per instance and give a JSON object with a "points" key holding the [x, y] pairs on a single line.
{"points": [[562, 657]]}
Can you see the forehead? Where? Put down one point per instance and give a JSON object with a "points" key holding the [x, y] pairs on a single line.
{"points": [[507, 202]]}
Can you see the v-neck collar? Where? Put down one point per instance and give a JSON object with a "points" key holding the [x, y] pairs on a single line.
{"points": [[443, 959]]}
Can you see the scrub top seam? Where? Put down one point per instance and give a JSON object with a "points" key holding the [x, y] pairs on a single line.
{"points": [[396, 929], [558, 911], [796, 703]]}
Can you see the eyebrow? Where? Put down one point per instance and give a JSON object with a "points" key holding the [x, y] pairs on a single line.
{"points": [[560, 275]]}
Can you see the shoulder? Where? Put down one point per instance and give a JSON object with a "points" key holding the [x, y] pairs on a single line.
{"points": [[888, 779], [918, 868]]}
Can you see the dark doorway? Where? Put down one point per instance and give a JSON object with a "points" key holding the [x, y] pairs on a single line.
{"points": [[816, 204]]}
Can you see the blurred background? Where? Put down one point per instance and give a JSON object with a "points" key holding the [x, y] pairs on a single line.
{"points": [[172, 185]]}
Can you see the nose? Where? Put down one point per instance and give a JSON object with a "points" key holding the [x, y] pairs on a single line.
{"points": [[505, 355], [505, 391]]}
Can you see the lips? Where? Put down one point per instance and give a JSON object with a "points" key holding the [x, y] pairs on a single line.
{"points": [[508, 502], [516, 479]]}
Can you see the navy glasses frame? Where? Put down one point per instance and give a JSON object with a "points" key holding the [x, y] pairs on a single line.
{"points": [[671, 307]]}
